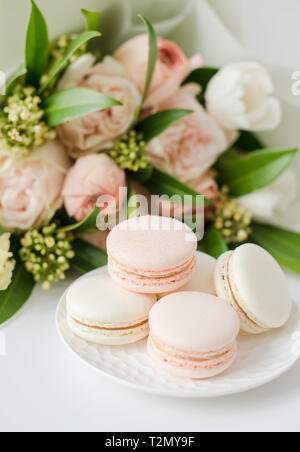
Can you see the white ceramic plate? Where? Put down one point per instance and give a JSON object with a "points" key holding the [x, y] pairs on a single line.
{"points": [[260, 360]]}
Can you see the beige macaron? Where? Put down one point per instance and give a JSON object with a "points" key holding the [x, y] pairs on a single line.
{"points": [[101, 312], [252, 282]]}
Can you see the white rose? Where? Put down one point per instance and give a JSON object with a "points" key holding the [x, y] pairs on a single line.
{"points": [[270, 202], [240, 98]]}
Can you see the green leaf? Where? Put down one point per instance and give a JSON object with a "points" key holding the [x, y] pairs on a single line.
{"points": [[62, 62], [248, 142], [213, 243], [142, 175], [132, 204], [156, 124], [19, 73], [92, 20], [74, 103], [282, 244], [228, 157], [152, 58], [86, 226], [37, 46], [87, 257], [12, 299], [202, 76], [63, 218], [251, 172], [162, 183]]}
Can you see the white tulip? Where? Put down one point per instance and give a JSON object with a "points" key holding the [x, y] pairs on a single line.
{"points": [[240, 97], [272, 201]]}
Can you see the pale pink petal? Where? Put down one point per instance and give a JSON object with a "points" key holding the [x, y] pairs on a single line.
{"points": [[92, 176], [30, 189], [98, 131], [188, 149]]}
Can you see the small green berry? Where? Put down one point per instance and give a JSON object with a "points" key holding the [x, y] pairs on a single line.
{"points": [[231, 219], [46, 254], [130, 152]]}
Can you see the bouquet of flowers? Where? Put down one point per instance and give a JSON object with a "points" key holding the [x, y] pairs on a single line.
{"points": [[77, 127]]}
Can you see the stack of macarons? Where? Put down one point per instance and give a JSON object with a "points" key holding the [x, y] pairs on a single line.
{"points": [[148, 256], [203, 303]]}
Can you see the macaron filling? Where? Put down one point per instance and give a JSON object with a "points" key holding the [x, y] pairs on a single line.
{"points": [[157, 280], [183, 359], [106, 328], [166, 273], [104, 331]]}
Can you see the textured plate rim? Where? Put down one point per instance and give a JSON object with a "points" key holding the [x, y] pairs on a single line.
{"points": [[165, 392]]}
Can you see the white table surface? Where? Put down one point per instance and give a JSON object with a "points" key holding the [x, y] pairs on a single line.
{"points": [[44, 388]]}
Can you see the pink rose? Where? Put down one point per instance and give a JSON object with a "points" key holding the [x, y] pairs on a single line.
{"points": [[206, 186], [98, 131], [188, 149], [91, 177], [172, 67], [30, 189]]}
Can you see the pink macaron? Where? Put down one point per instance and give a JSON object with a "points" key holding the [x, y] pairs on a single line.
{"points": [[152, 254], [193, 335]]}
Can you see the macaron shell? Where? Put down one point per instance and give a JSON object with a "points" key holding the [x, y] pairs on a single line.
{"points": [[142, 284], [224, 292], [261, 286], [194, 322], [100, 302], [151, 244], [184, 370]]}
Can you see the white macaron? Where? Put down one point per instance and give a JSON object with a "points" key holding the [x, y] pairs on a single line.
{"points": [[101, 312], [252, 282], [203, 277]]}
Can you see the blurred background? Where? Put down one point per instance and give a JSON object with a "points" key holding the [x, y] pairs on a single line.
{"points": [[267, 28]]}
